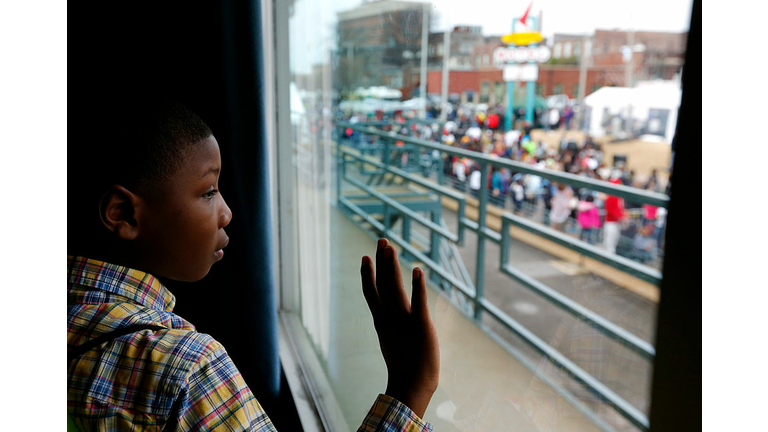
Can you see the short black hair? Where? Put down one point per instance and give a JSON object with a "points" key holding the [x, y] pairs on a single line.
{"points": [[137, 141], [140, 140]]}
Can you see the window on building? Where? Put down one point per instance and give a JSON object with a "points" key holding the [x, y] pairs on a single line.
{"points": [[577, 49], [567, 49], [499, 91], [485, 60], [484, 91], [397, 80], [558, 89], [575, 92], [557, 51], [539, 89]]}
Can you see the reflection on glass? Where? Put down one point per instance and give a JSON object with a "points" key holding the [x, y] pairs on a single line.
{"points": [[546, 321]]}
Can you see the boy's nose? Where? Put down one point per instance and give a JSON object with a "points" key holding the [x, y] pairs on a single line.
{"points": [[226, 215]]}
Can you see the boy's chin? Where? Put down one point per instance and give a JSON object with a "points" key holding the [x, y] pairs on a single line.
{"points": [[192, 276]]}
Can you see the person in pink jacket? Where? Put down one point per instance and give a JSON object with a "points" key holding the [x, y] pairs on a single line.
{"points": [[589, 219]]}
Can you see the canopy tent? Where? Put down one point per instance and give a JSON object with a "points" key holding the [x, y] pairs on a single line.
{"points": [[413, 104], [651, 105], [378, 92]]}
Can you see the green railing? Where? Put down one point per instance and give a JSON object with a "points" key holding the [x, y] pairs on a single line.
{"points": [[429, 258]]}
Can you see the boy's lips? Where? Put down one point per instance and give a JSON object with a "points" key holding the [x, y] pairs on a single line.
{"points": [[219, 253], [226, 242]]}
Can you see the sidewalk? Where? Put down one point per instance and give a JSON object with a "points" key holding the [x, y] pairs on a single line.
{"points": [[482, 387]]}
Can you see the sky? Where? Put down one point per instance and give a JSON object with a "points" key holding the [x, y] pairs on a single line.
{"points": [[569, 16], [313, 18]]}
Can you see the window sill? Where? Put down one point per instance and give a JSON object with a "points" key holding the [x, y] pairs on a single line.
{"points": [[312, 394]]}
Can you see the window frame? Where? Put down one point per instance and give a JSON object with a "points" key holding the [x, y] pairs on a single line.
{"points": [[315, 402]]}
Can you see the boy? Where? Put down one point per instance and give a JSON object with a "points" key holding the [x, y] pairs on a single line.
{"points": [[144, 203]]}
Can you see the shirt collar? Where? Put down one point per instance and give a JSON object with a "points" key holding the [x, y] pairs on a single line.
{"points": [[138, 286]]}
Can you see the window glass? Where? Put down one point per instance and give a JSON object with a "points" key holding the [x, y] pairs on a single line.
{"points": [[559, 282], [499, 91]]}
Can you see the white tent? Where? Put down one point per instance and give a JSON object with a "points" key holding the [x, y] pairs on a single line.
{"points": [[413, 104], [379, 92], [653, 104]]}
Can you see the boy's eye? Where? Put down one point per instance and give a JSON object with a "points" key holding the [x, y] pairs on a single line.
{"points": [[210, 193]]}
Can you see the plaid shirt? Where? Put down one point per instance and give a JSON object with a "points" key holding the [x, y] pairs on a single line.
{"points": [[169, 379]]}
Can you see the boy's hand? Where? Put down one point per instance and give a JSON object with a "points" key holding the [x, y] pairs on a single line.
{"points": [[407, 335]]}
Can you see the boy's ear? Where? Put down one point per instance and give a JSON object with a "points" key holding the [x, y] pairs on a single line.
{"points": [[117, 210]]}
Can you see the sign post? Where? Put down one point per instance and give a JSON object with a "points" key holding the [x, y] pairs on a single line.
{"points": [[510, 102], [531, 86], [522, 47]]}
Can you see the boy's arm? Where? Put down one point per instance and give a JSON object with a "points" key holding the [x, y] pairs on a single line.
{"points": [[407, 335]]}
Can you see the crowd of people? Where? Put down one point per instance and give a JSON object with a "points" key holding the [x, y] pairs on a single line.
{"points": [[599, 218]]}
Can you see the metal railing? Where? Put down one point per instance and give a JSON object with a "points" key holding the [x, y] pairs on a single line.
{"points": [[436, 173], [430, 257]]}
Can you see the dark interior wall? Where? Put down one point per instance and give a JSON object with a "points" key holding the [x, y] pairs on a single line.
{"points": [[208, 56]]}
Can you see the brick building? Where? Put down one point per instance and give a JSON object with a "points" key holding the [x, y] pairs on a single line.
{"points": [[657, 55], [487, 85]]}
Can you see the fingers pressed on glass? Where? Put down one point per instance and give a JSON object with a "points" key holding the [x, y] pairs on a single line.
{"points": [[419, 294], [369, 285], [382, 276], [395, 297]]}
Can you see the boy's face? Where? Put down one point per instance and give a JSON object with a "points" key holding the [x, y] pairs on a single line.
{"points": [[181, 228]]}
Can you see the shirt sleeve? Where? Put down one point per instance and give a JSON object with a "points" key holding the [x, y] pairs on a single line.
{"points": [[390, 415], [217, 398]]}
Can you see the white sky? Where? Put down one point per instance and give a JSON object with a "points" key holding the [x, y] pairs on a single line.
{"points": [[570, 16], [315, 20]]}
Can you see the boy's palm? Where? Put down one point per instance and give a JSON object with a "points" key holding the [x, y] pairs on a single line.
{"points": [[407, 335]]}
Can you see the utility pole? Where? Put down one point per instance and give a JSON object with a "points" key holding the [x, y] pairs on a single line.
{"points": [[628, 77], [424, 55], [446, 57], [586, 52], [630, 64]]}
